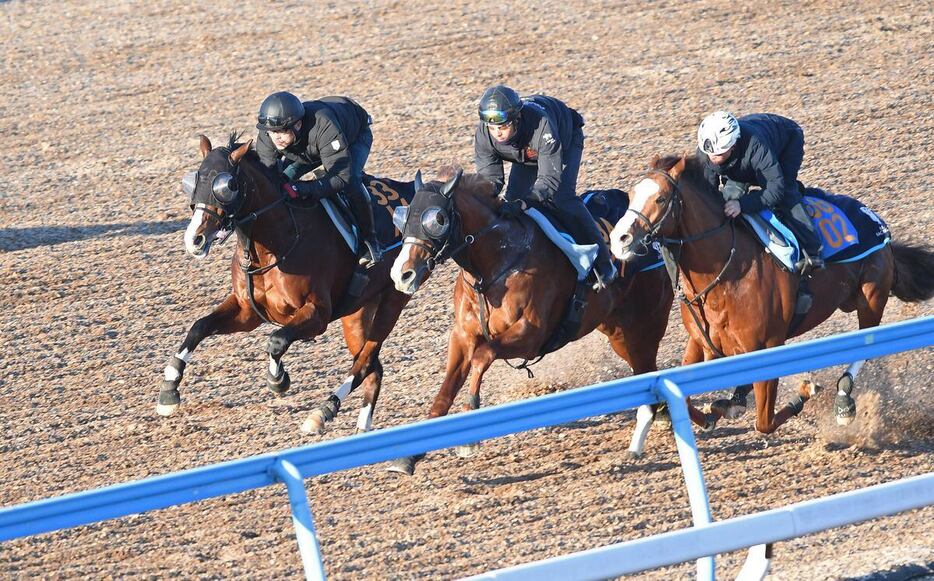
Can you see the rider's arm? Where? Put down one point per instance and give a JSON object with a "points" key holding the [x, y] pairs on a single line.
{"points": [[549, 162], [489, 164], [334, 150], [769, 175]]}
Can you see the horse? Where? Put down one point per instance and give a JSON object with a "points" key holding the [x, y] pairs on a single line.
{"points": [[737, 299], [513, 290], [278, 278]]}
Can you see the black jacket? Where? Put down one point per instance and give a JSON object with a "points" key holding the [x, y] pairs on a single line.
{"points": [[329, 127], [545, 129], [755, 159]]}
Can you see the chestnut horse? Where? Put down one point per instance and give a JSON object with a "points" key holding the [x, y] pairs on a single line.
{"points": [[513, 289], [741, 299], [279, 277]]}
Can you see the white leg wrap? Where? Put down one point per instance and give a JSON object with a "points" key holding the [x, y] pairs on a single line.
{"points": [[275, 368], [365, 419], [172, 374], [644, 418], [853, 370], [344, 389], [756, 566]]}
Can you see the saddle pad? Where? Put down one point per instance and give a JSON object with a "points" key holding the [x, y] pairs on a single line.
{"points": [[385, 196], [849, 230]]}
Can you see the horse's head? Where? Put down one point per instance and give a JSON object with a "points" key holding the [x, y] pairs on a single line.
{"points": [[652, 211], [426, 235], [215, 194]]}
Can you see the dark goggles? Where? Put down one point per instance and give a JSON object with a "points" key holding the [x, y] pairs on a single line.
{"points": [[275, 123], [494, 117]]}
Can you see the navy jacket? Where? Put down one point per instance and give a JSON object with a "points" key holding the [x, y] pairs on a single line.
{"points": [[545, 129], [329, 127], [755, 159]]}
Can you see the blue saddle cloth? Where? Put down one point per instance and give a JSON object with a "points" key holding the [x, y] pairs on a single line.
{"points": [[850, 231]]}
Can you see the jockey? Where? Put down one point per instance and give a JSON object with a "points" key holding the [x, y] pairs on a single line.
{"points": [[543, 140], [765, 150], [332, 132]]}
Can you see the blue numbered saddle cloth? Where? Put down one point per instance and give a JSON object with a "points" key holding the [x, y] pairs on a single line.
{"points": [[850, 231]]}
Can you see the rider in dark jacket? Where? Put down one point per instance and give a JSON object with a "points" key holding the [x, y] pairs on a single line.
{"points": [[543, 139], [332, 132], [765, 150]]}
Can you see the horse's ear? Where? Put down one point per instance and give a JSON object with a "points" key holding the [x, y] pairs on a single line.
{"points": [[238, 153], [653, 162], [205, 146], [675, 171], [448, 188], [418, 181]]}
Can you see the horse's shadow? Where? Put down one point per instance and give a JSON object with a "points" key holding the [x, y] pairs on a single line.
{"points": [[13, 239]]}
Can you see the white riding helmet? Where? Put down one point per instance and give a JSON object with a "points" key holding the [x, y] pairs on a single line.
{"points": [[717, 133]]}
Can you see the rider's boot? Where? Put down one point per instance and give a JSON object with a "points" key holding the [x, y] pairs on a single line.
{"points": [[363, 212]]}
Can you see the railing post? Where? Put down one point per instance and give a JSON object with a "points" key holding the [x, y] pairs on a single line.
{"points": [[308, 546], [690, 464]]}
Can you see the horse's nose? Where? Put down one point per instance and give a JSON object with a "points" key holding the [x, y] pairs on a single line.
{"points": [[625, 241], [198, 241], [408, 276]]}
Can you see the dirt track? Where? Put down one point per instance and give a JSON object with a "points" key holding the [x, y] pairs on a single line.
{"points": [[100, 108]]}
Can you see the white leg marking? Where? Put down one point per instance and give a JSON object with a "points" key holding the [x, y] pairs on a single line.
{"points": [[274, 367], [644, 418], [365, 419], [756, 566], [344, 389]]}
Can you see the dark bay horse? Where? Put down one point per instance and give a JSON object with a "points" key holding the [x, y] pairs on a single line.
{"points": [[292, 268], [513, 289], [739, 295]]}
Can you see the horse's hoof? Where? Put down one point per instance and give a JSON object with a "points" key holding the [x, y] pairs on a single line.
{"points": [[314, 423], [633, 454], [662, 417], [728, 408], [810, 389], [169, 399], [403, 465], [710, 423], [467, 451], [844, 408], [278, 385]]}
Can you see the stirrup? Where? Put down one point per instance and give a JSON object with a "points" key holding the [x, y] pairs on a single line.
{"points": [[601, 283], [372, 255]]}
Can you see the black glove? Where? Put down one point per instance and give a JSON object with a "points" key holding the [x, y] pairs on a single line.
{"points": [[309, 189], [512, 208]]}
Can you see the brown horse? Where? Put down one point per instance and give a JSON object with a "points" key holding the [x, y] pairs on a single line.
{"points": [[514, 289], [741, 299], [279, 277]]}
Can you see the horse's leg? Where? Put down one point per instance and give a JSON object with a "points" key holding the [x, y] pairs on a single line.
{"points": [[767, 420], [460, 350], [228, 317], [870, 307], [694, 353], [735, 406], [308, 322], [354, 327]]}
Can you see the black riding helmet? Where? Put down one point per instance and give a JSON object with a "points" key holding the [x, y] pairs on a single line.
{"points": [[499, 105], [279, 111]]}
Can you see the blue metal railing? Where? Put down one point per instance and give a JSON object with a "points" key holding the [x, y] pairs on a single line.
{"points": [[359, 450]]}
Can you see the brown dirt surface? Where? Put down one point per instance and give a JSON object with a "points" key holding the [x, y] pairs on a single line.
{"points": [[100, 107]]}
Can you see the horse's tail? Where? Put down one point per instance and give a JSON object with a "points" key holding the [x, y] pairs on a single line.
{"points": [[914, 273]]}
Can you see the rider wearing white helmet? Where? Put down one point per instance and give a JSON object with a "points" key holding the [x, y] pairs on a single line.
{"points": [[765, 150]]}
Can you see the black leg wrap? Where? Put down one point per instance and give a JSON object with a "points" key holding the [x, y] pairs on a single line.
{"points": [[330, 408], [845, 384], [404, 465], [844, 407], [474, 401], [169, 396], [177, 364], [796, 405], [278, 385], [740, 394]]}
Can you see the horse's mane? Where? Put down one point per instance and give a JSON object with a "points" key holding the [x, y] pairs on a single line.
{"points": [[233, 142], [473, 184], [693, 170]]}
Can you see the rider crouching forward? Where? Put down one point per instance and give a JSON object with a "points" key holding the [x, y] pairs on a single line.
{"points": [[332, 132], [765, 150], [543, 139]]}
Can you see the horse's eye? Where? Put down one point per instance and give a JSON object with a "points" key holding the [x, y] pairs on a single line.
{"points": [[661, 200]]}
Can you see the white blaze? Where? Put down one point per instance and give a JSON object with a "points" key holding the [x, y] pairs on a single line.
{"points": [[642, 193], [396, 272], [192, 231]]}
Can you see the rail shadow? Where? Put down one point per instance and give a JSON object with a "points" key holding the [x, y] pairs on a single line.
{"points": [[13, 239]]}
